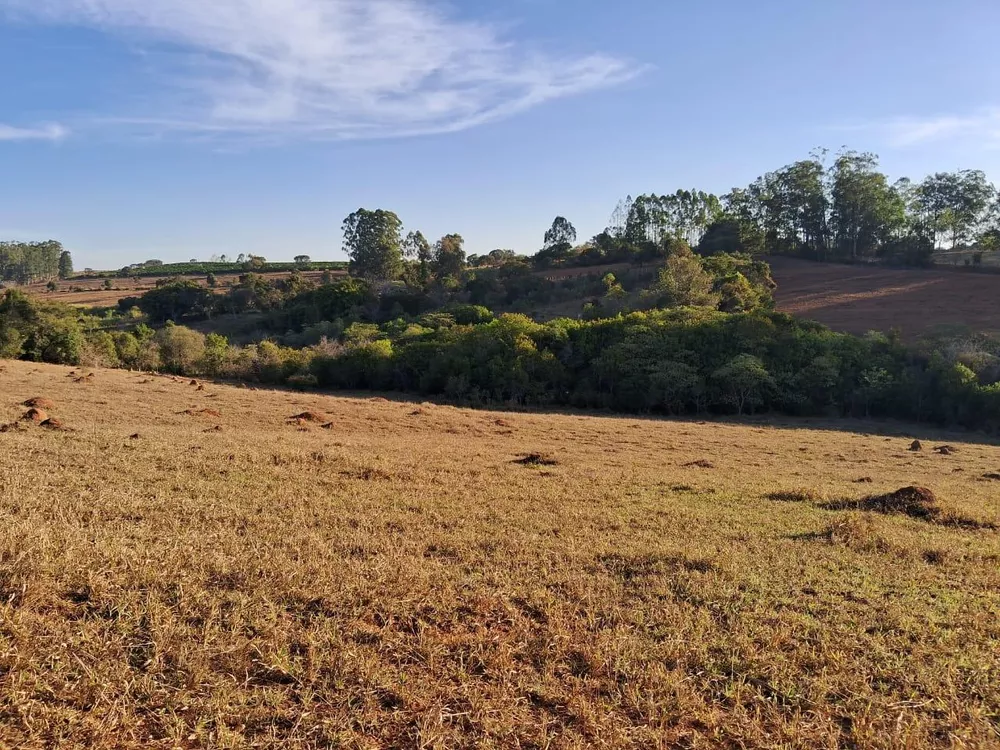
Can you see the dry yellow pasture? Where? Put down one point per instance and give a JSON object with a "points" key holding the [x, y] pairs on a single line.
{"points": [[172, 577]]}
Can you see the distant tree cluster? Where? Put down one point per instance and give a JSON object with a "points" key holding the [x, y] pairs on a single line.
{"points": [[379, 253], [256, 263], [845, 210], [27, 262], [849, 210]]}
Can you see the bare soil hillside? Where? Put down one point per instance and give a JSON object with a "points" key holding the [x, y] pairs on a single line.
{"points": [[858, 299]]}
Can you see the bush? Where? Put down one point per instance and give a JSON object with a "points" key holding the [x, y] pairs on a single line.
{"points": [[57, 340], [181, 349], [100, 351], [683, 282], [174, 301], [214, 355], [11, 342], [742, 382], [736, 294], [469, 315]]}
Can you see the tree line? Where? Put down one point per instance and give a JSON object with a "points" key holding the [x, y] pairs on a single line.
{"points": [[28, 262], [849, 210], [844, 210], [730, 283], [683, 360]]}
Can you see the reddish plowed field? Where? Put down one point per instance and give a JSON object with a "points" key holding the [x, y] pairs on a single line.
{"points": [[858, 299]]}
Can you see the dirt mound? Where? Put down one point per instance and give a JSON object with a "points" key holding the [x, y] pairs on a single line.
{"points": [[536, 459], [307, 416], [217, 428], [327, 426], [916, 446], [34, 415], [134, 436], [53, 424], [201, 413], [992, 475], [864, 480], [89, 378], [193, 382], [13, 427], [40, 403], [916, 502], [701, 463], [946, 450]]}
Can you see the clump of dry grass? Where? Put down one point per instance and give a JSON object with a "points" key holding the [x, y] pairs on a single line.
{"points": [[858, 533], [536, 459], [916, 502], [803, 495], [399, 582], [307, 416]]}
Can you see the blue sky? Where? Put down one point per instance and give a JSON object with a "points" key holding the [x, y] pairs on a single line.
{"points": [[179, 129]]}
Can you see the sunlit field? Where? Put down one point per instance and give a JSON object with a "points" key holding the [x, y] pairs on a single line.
{"points": [[186, 564]]}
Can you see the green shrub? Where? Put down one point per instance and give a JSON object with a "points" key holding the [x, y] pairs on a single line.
{"points": [[100, 351], [469, 315], [214, 355], [181, 349]]}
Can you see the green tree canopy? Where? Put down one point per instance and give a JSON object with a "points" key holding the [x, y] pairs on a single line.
{"points": [[449, 256], [373, 244], [65, 264]]}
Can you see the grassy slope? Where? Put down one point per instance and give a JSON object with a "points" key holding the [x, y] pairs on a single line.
{"points": [[398, 581]]}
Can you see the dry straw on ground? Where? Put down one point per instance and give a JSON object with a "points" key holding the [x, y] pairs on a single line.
{"points": [[408, 579]]}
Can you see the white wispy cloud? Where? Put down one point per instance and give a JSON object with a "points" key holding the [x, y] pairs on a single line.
{"points": [[43, 133], [982, 125], [324, 68]]}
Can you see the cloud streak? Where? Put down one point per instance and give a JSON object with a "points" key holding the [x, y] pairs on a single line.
{"points": [[334, 69], [903, 132], [43, 133]]}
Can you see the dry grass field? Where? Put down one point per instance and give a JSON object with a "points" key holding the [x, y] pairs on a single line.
{"points": [[858, 299], [185, 568]]}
